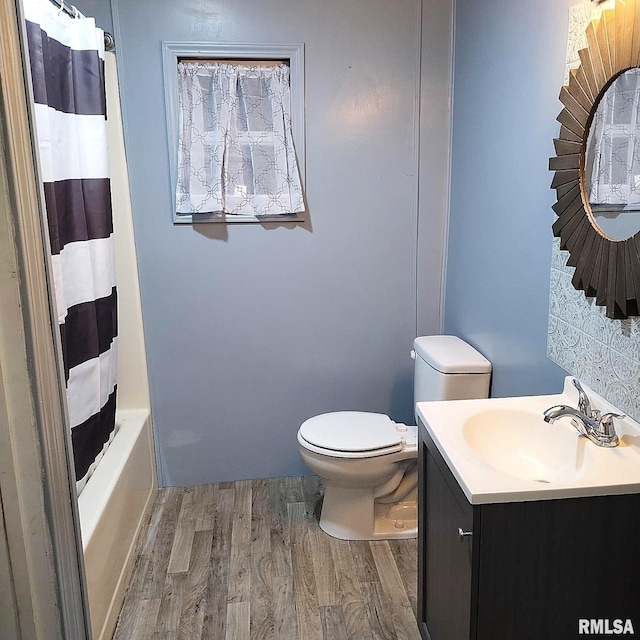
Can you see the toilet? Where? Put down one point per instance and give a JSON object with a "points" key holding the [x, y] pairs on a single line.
{"points": [[369, 462]]}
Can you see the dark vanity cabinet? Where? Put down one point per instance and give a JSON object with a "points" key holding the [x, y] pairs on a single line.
{"points": [[523, 570]]}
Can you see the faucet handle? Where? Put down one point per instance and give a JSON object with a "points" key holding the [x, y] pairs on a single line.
{"points": [[584, 406], [606, 422], [608, 416]]}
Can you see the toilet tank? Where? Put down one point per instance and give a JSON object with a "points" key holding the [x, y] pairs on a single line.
{"points": [[447, 368]]}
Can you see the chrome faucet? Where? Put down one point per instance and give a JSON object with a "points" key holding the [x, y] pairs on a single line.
{"points": [[584, 405], [589, 422]]}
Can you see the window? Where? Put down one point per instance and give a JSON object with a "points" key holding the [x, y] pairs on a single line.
{"points": [[613, 146], [236, 144]]}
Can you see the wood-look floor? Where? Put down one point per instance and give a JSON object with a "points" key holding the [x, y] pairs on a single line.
{"points": [[247, 560]]}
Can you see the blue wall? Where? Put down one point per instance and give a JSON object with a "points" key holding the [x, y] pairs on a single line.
{"points": [[98, 9], [509, 67], [239, 356], [250, 329]]}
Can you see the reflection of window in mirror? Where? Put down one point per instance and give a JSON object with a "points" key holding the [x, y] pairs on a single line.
{"points": [[612, 158]]}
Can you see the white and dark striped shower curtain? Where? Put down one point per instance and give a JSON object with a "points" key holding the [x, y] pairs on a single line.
{"points": [[67, 68]]}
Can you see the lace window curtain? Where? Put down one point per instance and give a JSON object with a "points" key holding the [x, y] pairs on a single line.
{"points": [[235, 147], [613, 146]]}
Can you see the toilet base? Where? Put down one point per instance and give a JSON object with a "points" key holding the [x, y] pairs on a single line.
{"points": [[353, 514]]}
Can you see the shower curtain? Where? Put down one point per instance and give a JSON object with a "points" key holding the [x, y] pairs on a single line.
{"points": [[67, 68]]}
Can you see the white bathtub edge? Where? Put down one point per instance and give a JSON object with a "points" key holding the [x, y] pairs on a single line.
{"points": [[100, 486], [113, 509]]}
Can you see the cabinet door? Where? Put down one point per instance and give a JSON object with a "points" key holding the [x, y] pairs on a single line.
{"points": [[446, 597]]}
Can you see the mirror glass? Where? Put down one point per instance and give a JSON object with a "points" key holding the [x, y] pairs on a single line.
{"points": [[611, 180]]}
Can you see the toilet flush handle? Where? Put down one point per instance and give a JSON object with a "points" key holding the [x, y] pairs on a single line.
{"points": [[463, 534], [413, 354]]}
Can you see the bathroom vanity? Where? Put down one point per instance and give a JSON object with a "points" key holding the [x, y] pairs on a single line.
{"points": [[527, 556]]}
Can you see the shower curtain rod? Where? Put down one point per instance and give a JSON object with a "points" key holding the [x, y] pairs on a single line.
{"points": [[70, 10]]}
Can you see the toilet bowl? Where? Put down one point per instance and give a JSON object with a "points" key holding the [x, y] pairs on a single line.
{"points": [[369, 466], [369, 462]]}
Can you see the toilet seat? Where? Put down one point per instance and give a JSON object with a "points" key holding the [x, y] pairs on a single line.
{"points": [[354, 434]]}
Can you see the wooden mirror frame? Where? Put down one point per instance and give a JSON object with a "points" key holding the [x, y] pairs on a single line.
{"points": [[605, 269]]}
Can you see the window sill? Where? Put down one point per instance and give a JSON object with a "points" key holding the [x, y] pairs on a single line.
{"points": [[200, 218]]}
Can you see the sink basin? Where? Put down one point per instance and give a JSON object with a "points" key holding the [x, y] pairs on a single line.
{"points": [[501, 449], [522, 444]]}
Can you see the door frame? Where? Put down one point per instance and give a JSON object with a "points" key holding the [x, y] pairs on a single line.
{"points": [[43, 544]]}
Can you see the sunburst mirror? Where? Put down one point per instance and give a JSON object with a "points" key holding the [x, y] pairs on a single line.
{"points": [[597, 166]]}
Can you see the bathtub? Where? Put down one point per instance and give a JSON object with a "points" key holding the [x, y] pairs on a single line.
{"points": [[114, 506]]}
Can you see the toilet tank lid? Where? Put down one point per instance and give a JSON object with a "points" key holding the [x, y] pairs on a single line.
{"points": [[450, 354]]}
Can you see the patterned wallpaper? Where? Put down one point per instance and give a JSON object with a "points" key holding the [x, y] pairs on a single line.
{"points": [[603, 353]]}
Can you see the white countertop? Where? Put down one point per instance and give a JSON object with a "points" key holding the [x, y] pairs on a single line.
{"points": [[458, 427]]}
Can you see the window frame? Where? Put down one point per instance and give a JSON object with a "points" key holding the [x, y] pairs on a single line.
{"points": [[291, 54]]}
